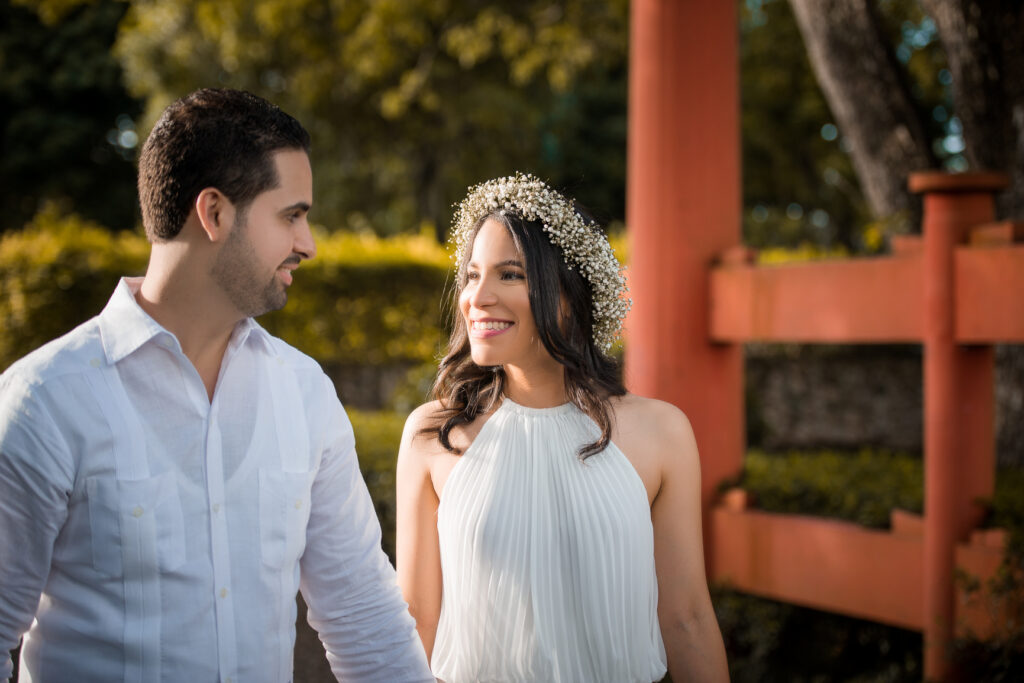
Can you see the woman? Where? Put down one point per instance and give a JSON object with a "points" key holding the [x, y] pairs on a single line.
{"points": [[548, 521]]}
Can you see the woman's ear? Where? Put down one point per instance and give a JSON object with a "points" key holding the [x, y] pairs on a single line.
{"points": [[216, 213]]}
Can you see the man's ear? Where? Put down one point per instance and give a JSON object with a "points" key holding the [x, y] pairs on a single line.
{"points": [[216, 213]]}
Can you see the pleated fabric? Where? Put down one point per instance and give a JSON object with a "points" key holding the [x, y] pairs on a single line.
{"points": [[547, 561]]}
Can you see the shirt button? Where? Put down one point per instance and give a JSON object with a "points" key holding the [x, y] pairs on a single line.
{"points": [[298, 505], [95, 362], [137, 512], [223, 592], [216, 507], [227, 680]]}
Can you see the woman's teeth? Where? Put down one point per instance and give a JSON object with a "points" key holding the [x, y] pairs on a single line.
{"points": [[490, 325]]}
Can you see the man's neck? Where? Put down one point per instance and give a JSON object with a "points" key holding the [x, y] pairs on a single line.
{"points": [[190, 308]]}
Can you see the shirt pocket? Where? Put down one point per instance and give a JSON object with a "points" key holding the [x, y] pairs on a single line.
{"points": [[139, 521], [284, 513]]}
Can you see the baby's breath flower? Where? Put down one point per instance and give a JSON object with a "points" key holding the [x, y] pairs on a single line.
{"points": [[583, 245]]}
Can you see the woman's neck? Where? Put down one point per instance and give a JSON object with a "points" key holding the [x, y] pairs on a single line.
{"points": [[536, 387]]}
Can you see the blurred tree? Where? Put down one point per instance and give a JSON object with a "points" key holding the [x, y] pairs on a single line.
{"points": [[66, 122], [870, 97], [798, 183], [876, 95], [984, 43], [408, 101], [411, 101], [801, 181]]}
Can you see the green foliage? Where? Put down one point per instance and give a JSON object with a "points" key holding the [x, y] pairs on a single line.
{"points": [[1007, 508], [60, 98], [802, 253], [378, 435], [786, 161], [363, 300], [1000, 658], [57, 273], [799, 184], [769, 642], [833, 484], [861, 488], [408, 102], [367, 300]]}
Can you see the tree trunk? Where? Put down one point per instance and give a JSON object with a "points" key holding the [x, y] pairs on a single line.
{"points": [[870, 98], [984, 45]]}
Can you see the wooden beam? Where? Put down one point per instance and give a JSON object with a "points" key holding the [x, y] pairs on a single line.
{"points": [[990, 294], [871, 300], [876, 300], [848, 569], [825, 564]]}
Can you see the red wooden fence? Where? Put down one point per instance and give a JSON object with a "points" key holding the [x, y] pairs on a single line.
{"points": [[956, 290]]}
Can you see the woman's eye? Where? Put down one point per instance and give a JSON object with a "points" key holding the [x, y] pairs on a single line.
{"points": [[472, 275], [512, 275]]}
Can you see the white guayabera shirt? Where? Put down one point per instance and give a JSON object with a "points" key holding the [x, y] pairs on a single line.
{"points": [[168, 534]]}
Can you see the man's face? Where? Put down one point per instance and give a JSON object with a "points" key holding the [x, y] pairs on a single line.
{"points": [[268, 240]]}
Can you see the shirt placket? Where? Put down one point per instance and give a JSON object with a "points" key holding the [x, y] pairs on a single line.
{"points": [[224, 591]]}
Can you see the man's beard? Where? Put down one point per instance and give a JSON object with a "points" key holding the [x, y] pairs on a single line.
{"points": [[237, 271]]}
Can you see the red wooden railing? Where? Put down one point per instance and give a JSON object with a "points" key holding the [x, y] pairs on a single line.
{"points": [[955, 290]]}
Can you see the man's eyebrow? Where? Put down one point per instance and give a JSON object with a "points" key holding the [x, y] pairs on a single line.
{"points": [[304, 206]]}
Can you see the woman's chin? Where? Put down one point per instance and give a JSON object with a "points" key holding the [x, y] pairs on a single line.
{"points": [[485, 357]]}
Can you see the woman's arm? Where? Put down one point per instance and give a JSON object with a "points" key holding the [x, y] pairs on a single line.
{"points": [[689, 627], [418, 554]]}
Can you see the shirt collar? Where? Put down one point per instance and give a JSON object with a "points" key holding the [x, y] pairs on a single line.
{"points": [[249, 329], [124, 326]]}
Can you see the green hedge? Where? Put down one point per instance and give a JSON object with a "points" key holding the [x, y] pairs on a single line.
{"points": [[861, 487], [363, 300], [57, 273], [378, 435]]}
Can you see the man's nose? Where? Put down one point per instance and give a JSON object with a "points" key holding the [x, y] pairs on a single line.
{"points": [[304, 243]]}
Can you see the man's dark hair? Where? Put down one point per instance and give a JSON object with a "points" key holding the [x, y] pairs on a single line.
{"points": [[211, 138]]}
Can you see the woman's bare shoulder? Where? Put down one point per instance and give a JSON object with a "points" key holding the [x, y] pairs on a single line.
{"points": [[424, 416], [658, 419], [421, 430], [420, 438]]}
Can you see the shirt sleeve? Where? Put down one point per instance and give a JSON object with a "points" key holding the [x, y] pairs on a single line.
{"points": [[36, 478], [347, 581]]}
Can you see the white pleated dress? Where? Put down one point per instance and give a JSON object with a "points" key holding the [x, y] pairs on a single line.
{"points": [[548, 562]]}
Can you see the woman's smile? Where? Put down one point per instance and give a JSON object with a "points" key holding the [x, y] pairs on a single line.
{"points": [[484, 329]]}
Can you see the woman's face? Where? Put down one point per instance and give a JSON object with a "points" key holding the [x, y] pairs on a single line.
{"points": [[495, 302]]}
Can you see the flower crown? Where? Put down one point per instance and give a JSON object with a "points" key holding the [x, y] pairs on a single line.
{"points": [[581, 241]]}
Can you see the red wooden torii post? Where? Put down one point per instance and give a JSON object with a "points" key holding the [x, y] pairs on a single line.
{"points": [[683, 209], [697, 299]]}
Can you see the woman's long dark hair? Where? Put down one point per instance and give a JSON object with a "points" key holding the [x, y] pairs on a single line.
{"points": [[465, 390]]}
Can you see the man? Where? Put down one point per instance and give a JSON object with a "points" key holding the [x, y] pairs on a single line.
{"points": [[171, 474]]}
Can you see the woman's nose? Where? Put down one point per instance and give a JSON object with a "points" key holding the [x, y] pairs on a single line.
{"points": [[482, 293]]}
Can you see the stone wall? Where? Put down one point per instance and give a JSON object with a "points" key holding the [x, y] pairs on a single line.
{"points": [[848, 397]]}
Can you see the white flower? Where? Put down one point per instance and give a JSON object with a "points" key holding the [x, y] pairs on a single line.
{"points": [[582, 243]]}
